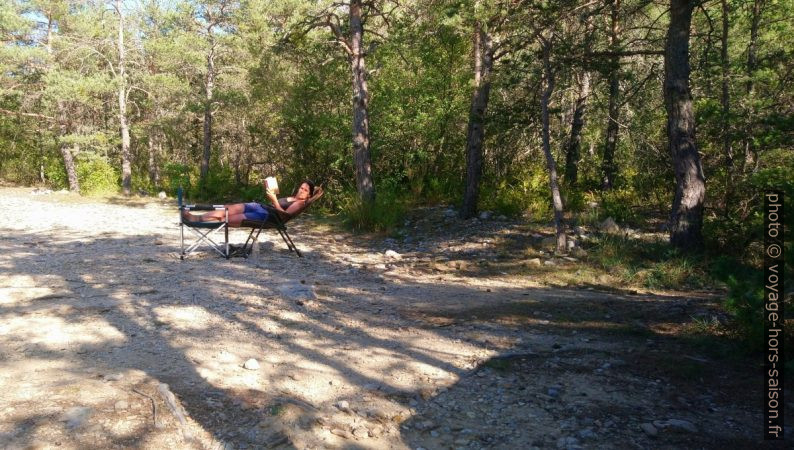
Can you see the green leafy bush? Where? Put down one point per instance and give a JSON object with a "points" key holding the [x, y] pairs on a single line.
{"points": [[514, 197], [96, 175], [55, 172], [176, 175], [384, 215], [619, 204]]}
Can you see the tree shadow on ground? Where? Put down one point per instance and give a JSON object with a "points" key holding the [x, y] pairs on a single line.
{"points": [[117, 314]]}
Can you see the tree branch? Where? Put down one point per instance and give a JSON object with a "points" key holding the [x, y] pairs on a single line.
{"points": [[20, 113]]}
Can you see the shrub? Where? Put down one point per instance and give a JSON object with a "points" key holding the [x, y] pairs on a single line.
{"points": [[96, 175], [619, 204], [384, 215], [529, 194], [175, 175]]}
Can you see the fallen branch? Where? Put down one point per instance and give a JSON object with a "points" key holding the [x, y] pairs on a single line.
{"points": [[170, 400], [154, 405]]}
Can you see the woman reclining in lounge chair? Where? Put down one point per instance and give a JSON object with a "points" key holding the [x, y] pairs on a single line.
{"points": [[254, 211]]}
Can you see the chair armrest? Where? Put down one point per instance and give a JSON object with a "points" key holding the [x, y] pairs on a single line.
{"points": [[202, 207]]}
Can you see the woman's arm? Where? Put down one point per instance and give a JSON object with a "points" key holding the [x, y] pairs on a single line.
{"points": [[296, 206], [273, 200]]}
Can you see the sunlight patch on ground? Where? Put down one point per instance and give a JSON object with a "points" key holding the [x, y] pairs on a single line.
{"points": [[55, 333], [184, 317]]}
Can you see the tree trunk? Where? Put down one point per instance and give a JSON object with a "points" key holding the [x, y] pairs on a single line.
{"points": [[126, 170], [61, 120], [573, 151], [68, 162], [727, 144], [726, 85], [556, 197], [361, 152], [686, 216], [608, 166], [209, 85], [750, 151], [483, 63], [154, 169]]}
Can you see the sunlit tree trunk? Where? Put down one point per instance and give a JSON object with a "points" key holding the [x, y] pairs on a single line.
{"points": [[556, 197], [686, 217], [209, 85], [126, 169], [483, 64], [62, 120], [361, 144], [154, 152], [573, 150], [609, 167]]}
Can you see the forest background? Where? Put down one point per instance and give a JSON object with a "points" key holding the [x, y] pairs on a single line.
{"points": [[676, 114]]}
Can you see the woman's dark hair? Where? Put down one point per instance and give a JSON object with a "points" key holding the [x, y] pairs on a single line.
{"points": [[311, 187]]}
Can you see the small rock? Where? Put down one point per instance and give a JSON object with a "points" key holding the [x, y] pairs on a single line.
{"points": [[681, 425], [567, 442], [114, 377], [159, 242], [341, 433], [578, 252], [391, 254], [76, 416], [553, 392], [343, 405], [485, 215], [361, 433], [609, 226], [121, 405], [251, 364], [649, 429], [162, 195], [549, 262], [587, 433], [534, 262]]}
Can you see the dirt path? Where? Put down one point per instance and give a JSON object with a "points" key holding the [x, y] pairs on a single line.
{"points": [[101, 323]]}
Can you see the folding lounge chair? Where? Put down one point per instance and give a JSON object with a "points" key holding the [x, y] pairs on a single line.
{"points": [[275, 219], [204, 231]]}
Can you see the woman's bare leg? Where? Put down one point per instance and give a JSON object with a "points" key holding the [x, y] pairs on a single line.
{"points": [[235, 209]]}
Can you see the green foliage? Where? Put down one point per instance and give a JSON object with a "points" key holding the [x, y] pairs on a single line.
{"points": [[96, 175], [620, 204], [387, 213], [527, 195], [745, 298], [653, 265], [176, 175]]}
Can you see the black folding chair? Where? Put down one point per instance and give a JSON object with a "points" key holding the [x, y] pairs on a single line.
{"points": [[204, 231], [275, 219]]}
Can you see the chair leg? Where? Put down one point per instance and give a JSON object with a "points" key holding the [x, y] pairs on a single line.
{"points": [[181, 240], [206, 238], [291, 245]]}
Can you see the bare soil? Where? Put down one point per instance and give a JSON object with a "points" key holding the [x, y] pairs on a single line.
{"points": [[458, 342]]}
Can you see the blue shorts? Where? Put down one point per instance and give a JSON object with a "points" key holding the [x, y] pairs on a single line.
{"points": [[255, 211]]}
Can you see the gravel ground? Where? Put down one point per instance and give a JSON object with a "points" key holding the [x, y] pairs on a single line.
{"points": [[108, 340]]}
